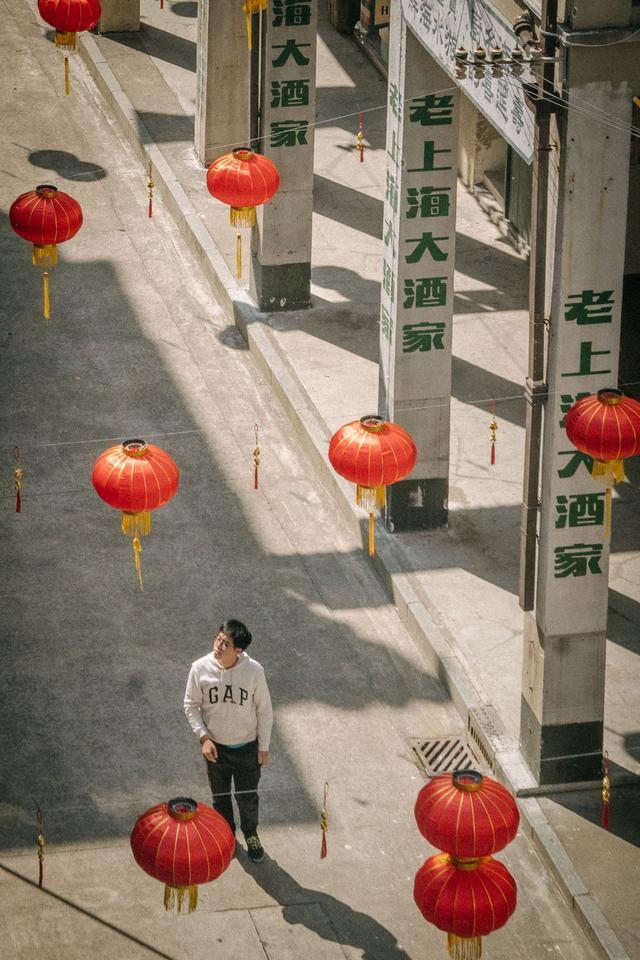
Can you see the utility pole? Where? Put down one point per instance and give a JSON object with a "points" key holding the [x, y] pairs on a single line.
{"points": [[535, 387]]}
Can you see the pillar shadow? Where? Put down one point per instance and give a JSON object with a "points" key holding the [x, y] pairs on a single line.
{"points": [[624, 808], [343, 925], [185, 9], [170, 47], [168, 127], [348, 206], [475, 386]]}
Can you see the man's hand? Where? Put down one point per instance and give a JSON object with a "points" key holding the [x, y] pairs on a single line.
{"points": [[209, 751], [263, 757]]}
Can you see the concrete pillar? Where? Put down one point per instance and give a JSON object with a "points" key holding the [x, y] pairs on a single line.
{"points": [[222, 79], [119, 16], [564, 655], [417, 283], [281, 254]]}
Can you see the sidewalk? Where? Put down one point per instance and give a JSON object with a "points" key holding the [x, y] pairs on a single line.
{"points": [[456, 589]]}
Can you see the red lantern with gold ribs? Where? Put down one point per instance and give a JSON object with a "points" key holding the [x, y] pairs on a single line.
{"points": [[182, 844], [45, 217], [606, 426], [372, 453], [467, 899], [244, 180], [136, 478], [466, 814], [69, 17]]}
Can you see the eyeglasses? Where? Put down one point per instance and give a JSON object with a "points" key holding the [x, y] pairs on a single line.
{"points": [[223, 643]]}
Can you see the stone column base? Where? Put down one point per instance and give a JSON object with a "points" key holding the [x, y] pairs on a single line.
{"points": [[417, 505], [119, 16], [285, 286], [561, 753]]}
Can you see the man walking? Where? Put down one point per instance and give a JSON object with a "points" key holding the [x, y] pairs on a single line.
{"points": [[228, 705]]}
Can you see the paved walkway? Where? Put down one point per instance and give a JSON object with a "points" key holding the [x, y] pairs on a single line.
{"points": [[134, 310]]}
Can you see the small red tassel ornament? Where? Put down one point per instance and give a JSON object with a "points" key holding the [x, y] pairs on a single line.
{"points": [[256, 459], [606, 792], [40, 822], [150, 186], [360, 140], [324, 823], [17, 479], [493, 427], [18, 486]]}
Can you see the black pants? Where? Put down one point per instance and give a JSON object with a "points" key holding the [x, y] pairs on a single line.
{"points": [[240, 765]]}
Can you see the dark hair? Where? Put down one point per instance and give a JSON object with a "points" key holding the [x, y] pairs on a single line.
{"points": [[238, 632]]}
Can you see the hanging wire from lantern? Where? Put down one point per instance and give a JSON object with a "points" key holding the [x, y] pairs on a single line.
{"points": [[493, 428], [606, 791], [17, 478], [324, 822], [256, 457]]}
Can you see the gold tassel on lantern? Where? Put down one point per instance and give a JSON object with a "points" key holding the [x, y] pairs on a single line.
{"points": [[44, 255], [612, 472], [464, 948], [66, 41], [136, 525], [174, 897], [250, 7], [371, 499], [243, 216]]}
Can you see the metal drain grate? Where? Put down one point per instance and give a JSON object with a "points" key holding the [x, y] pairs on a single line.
{"points": [[444, 755]]}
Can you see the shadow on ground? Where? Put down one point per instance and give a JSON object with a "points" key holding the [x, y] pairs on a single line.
{"points": [[329, 918]]}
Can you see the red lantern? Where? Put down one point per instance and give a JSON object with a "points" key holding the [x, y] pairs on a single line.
{"points": [[467, 814], [468, 900], [606, 426], [45, 217], [135, 477], [182, 844], [372, 453], [243, 179], [69, 17]]}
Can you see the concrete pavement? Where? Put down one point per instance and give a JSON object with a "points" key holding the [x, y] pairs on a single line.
{"points": [[131, 306]]}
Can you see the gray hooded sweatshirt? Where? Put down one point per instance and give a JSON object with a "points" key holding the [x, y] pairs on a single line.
{"points": [[230, 706]]}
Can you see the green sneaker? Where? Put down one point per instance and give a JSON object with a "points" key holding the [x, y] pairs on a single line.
{"points": [[255, 849]]}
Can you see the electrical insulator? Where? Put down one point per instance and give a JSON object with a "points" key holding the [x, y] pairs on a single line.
{"points": [[517, 56], [461, 57], [495, 56], [479, 61], [535, 54], [523, 29]]}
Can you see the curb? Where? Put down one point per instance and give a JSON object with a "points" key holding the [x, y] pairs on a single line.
{"points": [[500, 751]]}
